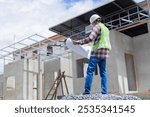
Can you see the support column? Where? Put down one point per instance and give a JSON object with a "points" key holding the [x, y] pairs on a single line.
{"points": [[27, 85], [148, 27], [148, 3], [39, 79]]}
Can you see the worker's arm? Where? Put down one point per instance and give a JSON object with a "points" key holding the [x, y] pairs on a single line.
{"points": [[92, 37]]}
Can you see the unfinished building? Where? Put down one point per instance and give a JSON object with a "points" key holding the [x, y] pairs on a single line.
{"points": [[32, 69]]}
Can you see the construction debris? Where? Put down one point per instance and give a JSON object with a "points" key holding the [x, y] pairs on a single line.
{"points": [[98, 96]]}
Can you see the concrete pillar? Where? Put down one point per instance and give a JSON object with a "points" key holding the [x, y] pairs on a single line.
{"points": [[148, 23], [2, 87], [112, 68], [38, 79], [27, 79]]}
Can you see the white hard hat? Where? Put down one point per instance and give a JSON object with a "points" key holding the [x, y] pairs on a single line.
{"points": [[94, 17]]}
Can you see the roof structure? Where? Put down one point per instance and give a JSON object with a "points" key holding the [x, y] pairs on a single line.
{"points": [[118, 15]]}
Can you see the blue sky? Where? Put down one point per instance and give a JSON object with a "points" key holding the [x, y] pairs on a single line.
{"points": [[22, 18], [71, 3]]}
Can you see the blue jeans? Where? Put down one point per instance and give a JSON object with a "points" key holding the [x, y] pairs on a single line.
{"points": [[89, 77]]}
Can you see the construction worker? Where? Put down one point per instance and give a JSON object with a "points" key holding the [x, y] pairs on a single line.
{"points": [[100, 52]]}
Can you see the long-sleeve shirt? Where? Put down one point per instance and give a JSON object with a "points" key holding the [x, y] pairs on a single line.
{"points": [[94, 37]]}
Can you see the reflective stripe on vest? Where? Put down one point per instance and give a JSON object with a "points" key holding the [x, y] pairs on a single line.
{"points": [[104, 41]]}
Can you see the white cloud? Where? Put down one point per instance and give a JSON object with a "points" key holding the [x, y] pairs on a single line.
{"points": [[25, 17]]}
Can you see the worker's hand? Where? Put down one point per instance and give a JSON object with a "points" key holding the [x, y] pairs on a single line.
{"points": [[76, 42]]}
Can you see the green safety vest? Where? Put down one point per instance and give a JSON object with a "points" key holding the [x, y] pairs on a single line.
{"points": [[104, 41]]}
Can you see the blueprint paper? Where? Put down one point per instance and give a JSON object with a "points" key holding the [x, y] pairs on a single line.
{"points": [[83, 50]]}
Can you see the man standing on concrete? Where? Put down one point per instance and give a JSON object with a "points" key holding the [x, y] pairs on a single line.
{"points": [[100, 52]]}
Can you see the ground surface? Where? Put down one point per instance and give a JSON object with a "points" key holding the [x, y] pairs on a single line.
{"points": [[99, 96], [143, 95]]}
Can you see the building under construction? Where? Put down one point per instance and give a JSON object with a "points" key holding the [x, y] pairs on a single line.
{"points": [[47, 69]]}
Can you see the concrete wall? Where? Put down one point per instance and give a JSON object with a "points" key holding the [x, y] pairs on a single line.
{"points": [[66, 65], [23, 80], [2, 86], [15, 70], [32, 79], [121, 44], [142, 59], [50, 66], [78, 83], [140, 49]]}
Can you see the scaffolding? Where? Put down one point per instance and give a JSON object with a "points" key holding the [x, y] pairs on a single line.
{"points": [[31, 43]]}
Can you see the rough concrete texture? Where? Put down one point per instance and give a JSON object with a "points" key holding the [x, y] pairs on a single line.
{"points": [[142, 61], [98, 96]]}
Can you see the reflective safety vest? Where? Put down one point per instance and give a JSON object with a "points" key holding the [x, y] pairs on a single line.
{"points": [[104, 41]]}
